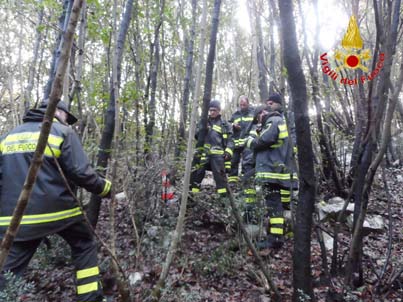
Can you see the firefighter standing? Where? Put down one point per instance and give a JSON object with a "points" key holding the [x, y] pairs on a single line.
{"points": [[274, 103], [273, 170], [216, 153], [242, 120], [51, 208]]}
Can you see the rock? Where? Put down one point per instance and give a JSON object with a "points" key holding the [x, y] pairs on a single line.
{"points": [[208, 180], [328, 241], [152, 231], [332, 208], [399, 178], [372, 223], [120, 196], [253, 230], [263, 298], [135, 277]]}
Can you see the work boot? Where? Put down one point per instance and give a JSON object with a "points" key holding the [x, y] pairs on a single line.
{"points": [[272, 242]]}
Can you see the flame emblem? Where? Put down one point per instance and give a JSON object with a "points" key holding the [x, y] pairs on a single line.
{"points": [[351, 57]]}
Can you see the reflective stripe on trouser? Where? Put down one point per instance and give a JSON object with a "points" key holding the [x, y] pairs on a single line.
{"points": [[236, 158], [249, 195], [285, 197], [84, 255], [214, 163], [274, 209]]}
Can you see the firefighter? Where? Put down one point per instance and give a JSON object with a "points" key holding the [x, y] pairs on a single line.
{"points": [[273, 170], [51, 208], [242, 121], [216, 153], [275, 103]]}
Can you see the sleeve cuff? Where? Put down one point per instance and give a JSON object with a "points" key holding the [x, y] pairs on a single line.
{"points": [[107, 188]]}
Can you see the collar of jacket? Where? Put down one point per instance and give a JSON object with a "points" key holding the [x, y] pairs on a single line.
{"points": [[36, 115]]}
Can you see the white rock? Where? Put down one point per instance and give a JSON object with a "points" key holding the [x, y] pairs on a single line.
{"points": [[120, 196], [399, 178], [371, 222], [328, 241], [135, 278], [332, 208]]}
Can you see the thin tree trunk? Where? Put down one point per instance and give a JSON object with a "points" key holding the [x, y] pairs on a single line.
{"points": [[107, 134], [186, 82], [176, 236], [209, 73], [261, 65], [32, 67], [153, 83], [63, 21], [54, 97], [368, 167], [296, 80]]}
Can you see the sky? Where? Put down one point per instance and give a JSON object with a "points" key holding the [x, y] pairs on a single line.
{"points": [[332, 18]]}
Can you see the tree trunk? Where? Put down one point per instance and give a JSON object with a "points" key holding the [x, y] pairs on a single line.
{"points": [[186, 82], [107, 134], [261, 65], [63, 21], [296, 80], [367, 167], [153, 83], [32, 67], [209, 73], [54, 97]]}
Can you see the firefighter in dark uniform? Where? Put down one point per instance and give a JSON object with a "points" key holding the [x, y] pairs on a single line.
{"points": [[242, 120], [275, 103], [51, 208], [273, 170], [216, 153]]}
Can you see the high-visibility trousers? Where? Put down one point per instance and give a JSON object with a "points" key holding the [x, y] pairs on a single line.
{"points": [[84, 255], [214, 163]]}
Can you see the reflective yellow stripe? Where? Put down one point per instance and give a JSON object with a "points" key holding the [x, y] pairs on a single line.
{"points": [[283, 131], [285, 192], [249, 191], [247, 118], [285, 199], [250, 200], [206, 146], [223, 190], [270, 175], [229, 151], [107, 188], [279, 144], [27, 142], [254, 133], [225, 135], [277, 220], [237, 120], [217, 128], [195, 190], [233, 179], [249, 142], [88, 272], [86, 288], [217, 152], [278, 231], [227, 164], [43, 218]]}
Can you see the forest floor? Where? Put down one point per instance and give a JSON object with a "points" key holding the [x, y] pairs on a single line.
{"points": [[213, 262]]}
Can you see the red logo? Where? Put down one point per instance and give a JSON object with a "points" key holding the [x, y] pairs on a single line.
{"points": [[351, 57]]}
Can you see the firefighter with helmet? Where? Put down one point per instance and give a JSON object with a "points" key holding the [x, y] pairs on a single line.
{"points": [[51, 208]]}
